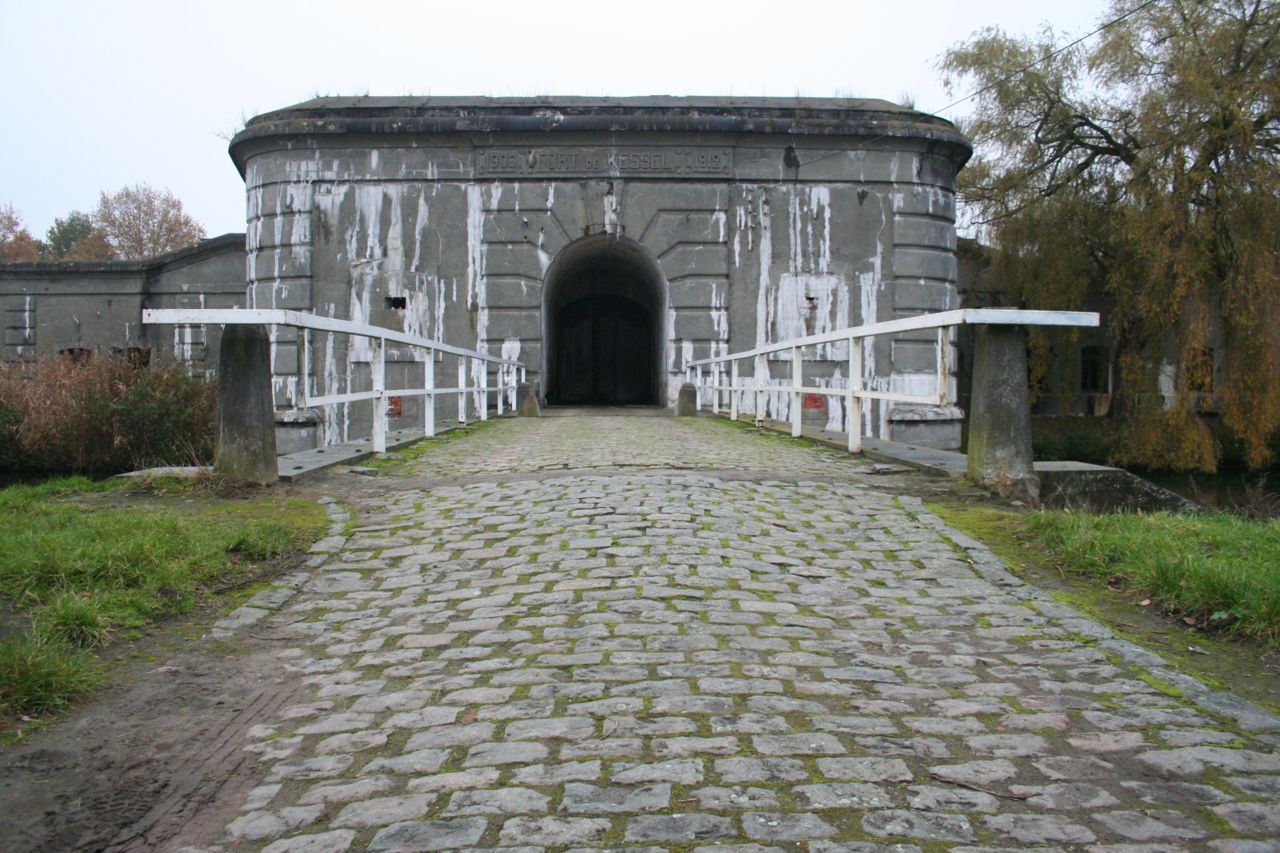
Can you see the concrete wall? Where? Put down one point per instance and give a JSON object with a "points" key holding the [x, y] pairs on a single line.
{"points": [[754, 233], [51, 308]]}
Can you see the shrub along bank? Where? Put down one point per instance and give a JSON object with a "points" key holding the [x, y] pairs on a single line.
{"points": [[101, 415], [82, 563]]}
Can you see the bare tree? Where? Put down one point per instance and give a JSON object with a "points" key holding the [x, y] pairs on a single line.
{"points": [[141, 222]]}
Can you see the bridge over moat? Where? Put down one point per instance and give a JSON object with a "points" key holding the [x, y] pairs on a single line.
{"points": [[566, 633]]}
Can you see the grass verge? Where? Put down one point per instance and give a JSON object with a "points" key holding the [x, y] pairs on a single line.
{"points": [[83, 561], [1217, 570], [1225, 657]]}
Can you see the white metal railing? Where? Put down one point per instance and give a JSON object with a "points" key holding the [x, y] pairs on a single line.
{"points": [[510, 373], [855, 391]]}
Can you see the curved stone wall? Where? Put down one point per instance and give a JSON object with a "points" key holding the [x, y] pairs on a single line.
{"points": [[766, 219]]}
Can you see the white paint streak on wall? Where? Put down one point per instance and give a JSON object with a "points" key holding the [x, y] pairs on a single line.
{"points": [[544, 257], [795, 221], [837, 418], [507, 374], [611, 209], [420, 222], [438, 333], [870, 284], [1165, 382], [740, 225], [277, 223], [673, 388], [764, 318], [477, 257], [394, 262], [29, 324], [820, 207], [334, 429], [719, 322]]}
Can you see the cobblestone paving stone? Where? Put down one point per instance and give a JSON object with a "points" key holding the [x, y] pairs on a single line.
{"points": [[607, 658]]}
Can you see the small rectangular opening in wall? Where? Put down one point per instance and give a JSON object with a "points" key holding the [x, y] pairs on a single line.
{"points": [[1095, 372], [76, 354], [396, 303], [135, 356]]}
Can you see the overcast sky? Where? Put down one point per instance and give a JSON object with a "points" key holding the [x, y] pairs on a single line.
{"points": [[108, 94]]}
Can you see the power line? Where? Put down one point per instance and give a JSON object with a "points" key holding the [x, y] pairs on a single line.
{"points": [[1057, 52], [1007, 77]]}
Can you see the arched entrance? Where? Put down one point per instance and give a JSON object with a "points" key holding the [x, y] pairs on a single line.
{"points": [[602, 315]]}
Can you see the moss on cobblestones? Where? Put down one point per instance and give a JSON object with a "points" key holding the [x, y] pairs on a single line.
{"points": [[865, 633]]}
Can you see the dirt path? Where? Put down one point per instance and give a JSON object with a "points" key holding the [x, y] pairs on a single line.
{"points": [[146, 756]]}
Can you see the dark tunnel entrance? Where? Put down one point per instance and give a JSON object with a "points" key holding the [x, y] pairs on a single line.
{"points": [[603, 331]]}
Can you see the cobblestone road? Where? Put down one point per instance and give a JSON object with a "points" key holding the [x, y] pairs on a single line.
{"points": [[587, 653]]}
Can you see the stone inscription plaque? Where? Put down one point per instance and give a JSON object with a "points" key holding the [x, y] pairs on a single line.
{"points": [[610, 162]]}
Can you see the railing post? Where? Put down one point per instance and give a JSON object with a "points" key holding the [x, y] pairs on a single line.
{"points": [[760, 381], [462, 390], [717, 374], [999, 454], [304, 381], [379, 368], [484, 389], [854, 406], [502, 387], [697, 385], [429, 398], [246, 450], [797, 375], [944, 365], [733, 390]]}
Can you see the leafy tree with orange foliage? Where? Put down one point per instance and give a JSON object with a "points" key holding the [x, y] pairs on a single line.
{"points": [[1145, 171], [16, 242]]}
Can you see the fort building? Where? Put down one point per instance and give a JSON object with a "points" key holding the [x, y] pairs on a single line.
{"points": [[603, 242]]}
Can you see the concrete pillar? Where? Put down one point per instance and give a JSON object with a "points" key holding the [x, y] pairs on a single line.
{"points": [[527, 400], [687, 402], [1000, 415], [246, 411]]}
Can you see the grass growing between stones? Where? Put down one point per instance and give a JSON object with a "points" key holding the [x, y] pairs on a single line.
{"points": [[81, 562], [396, 459]]}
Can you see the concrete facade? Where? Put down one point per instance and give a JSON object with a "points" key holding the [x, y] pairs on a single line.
{"points": [[73, 307], [724, 223]]}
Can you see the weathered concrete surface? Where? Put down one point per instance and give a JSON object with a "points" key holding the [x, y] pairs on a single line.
{"points": [[576, 633], [687, 402], [246, 450], [50, 307], [527, 405], [724, 222], [1000, 455]]}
